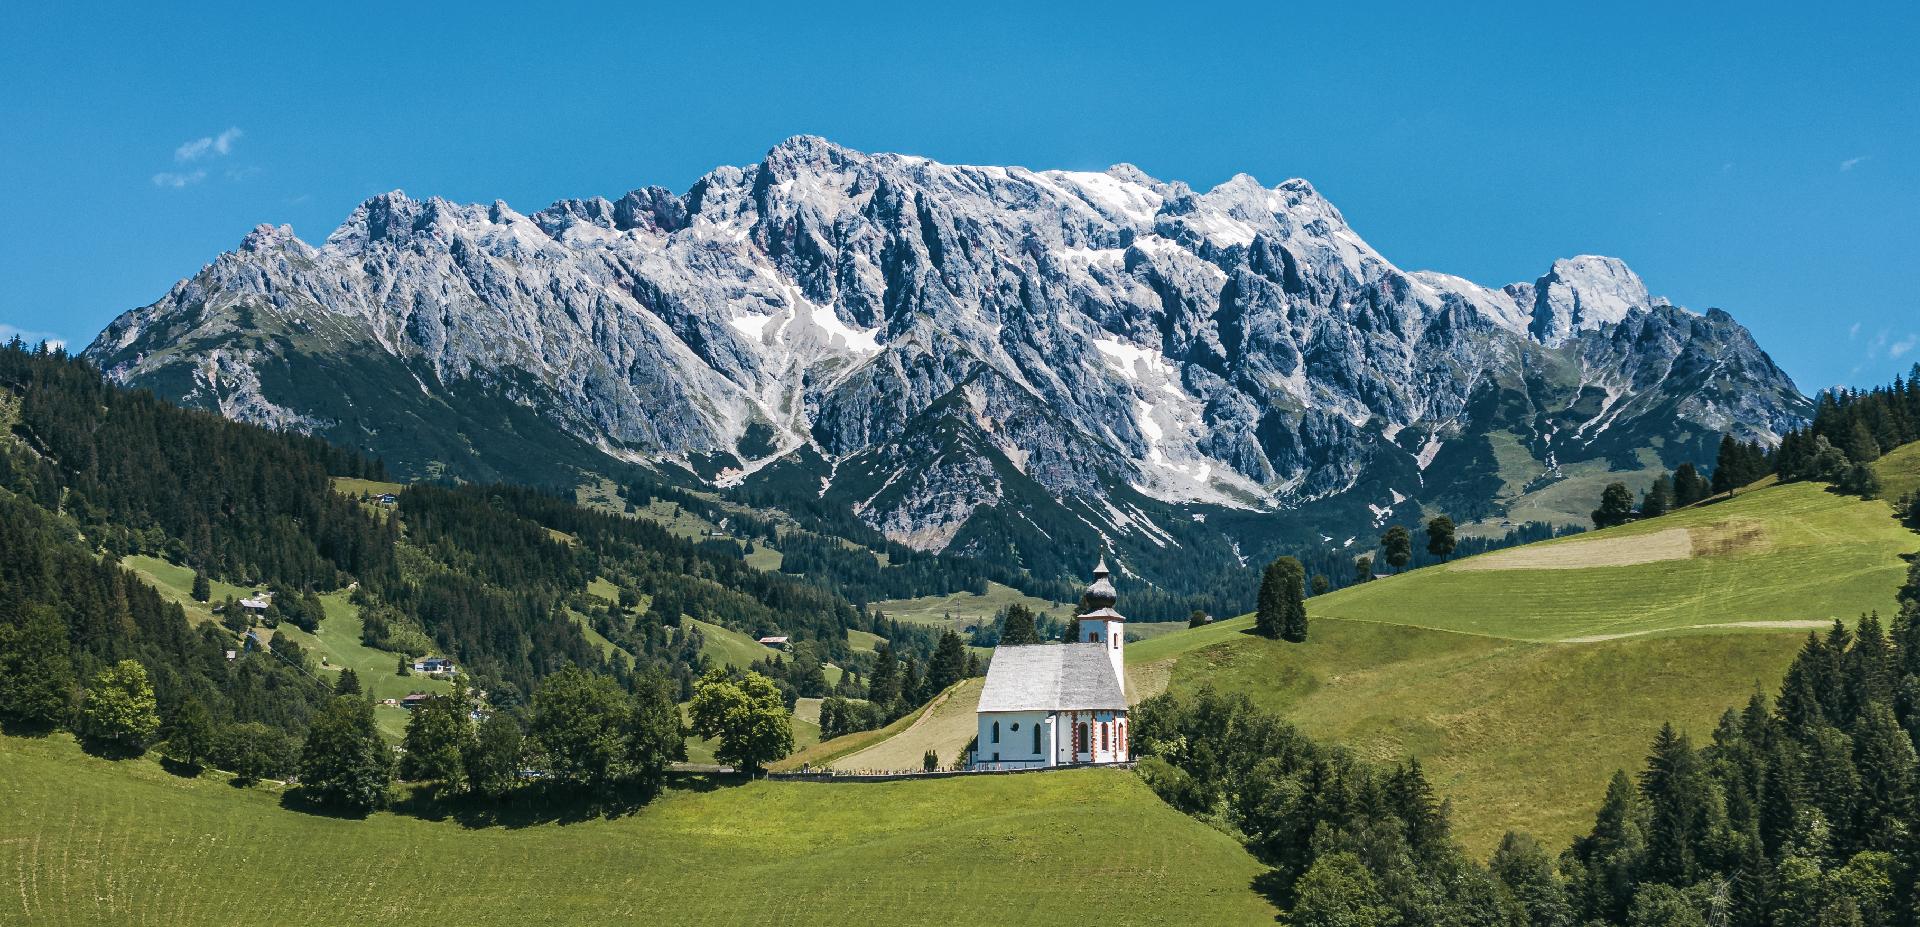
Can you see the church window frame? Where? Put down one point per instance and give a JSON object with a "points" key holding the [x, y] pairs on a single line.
{"points": [[996, 732]]}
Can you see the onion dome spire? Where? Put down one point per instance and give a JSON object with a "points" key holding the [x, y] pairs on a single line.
{"points": [[1100, 592]]}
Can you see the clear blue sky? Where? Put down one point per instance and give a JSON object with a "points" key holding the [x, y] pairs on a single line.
{"points": [[1759, 158]]}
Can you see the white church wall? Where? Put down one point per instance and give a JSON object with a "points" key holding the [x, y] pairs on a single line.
{"points": [[1015, 744]]}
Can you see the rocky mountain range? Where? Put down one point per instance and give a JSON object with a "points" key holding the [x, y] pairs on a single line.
{"points": [[993, 361]]}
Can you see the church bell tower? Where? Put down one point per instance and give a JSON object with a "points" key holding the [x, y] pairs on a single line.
{"points": [[1100, 624]]}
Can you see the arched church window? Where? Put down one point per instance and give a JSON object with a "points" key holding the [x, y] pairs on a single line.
{"points": [[1103, 737], [996, 732], [1036, 738]]}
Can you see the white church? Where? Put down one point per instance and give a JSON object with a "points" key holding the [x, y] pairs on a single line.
{"points": [[1059, 704]]}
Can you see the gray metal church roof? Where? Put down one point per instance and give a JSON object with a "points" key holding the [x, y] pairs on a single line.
{"points": [[1052, 677]]}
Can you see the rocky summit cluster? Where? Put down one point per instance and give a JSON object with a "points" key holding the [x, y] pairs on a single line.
{"points": [[984, 360]]}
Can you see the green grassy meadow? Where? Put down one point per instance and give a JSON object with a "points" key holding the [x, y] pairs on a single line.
{"points": [[1520, 734], [175, 583], [1523, 689], [959, 609], [87, 841], [1797, 553], [733, 648], [944, 726]]}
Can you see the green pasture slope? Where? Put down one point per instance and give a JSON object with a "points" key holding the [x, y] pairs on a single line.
{"points": [[1521, 735], [85, 841], [957, 610], [1776, 554], [1522, 690]]}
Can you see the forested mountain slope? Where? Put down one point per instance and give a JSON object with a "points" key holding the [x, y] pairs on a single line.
{"points": [[496, 578]]}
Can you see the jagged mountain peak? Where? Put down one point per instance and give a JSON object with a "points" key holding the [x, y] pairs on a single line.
{"points": [[1241, 348]]}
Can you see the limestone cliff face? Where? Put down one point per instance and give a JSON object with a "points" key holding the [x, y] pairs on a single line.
{"points": [[933, 334]]}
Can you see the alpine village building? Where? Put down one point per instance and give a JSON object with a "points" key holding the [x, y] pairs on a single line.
{"points": [[1059, 704]]}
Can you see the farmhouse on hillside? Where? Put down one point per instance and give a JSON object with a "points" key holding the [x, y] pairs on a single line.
{"points": [[1059, 704], [433, 665]]}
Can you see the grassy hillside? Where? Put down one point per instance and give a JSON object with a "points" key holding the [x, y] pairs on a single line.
{"points": [[733, 648], [175, 583], [1794, 553], [944, 727], [93, 842], [960, 609], [1524, 677], [1520, 734], [336, 647]]}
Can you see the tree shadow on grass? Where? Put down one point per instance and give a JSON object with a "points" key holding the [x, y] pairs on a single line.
{"points": [[182, 769], [298, 799], [13, 727], [549, 802], [110, 750], [1273, 887]]}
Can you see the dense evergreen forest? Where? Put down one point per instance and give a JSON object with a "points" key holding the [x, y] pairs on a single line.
{"points": [[494, 577]]}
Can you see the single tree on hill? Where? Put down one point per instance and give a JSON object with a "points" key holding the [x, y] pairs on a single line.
{"points": [[202, 587], [883, 684], [36, 675], [655, 736], [1282, 611], [1199, 618], [1689, 486], [745, 716], [949, 664], [493, 758], [345, 763], [1397, 544], [579, 723], [348, 683], [1860, 446], [253, 751], [1017, 627], [1269, 608], [1738, 464], [437, 738], [1616, 506], [1440, 539], [1321, 584], [119, 711], [1363, 568], [1658, 499], [190, 735]]}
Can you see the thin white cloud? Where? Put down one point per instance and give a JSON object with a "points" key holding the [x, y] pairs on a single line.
{"points": [[1851, 163], [174, 181], [205, 146], [1904, 345], [1853, 331], [9, 332]]}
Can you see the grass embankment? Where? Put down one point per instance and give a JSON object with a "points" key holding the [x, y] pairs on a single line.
{"points": [[1521, 735], [1523, 678], [944, 726], [1794, 553], [88, 841], [956, 611]]}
